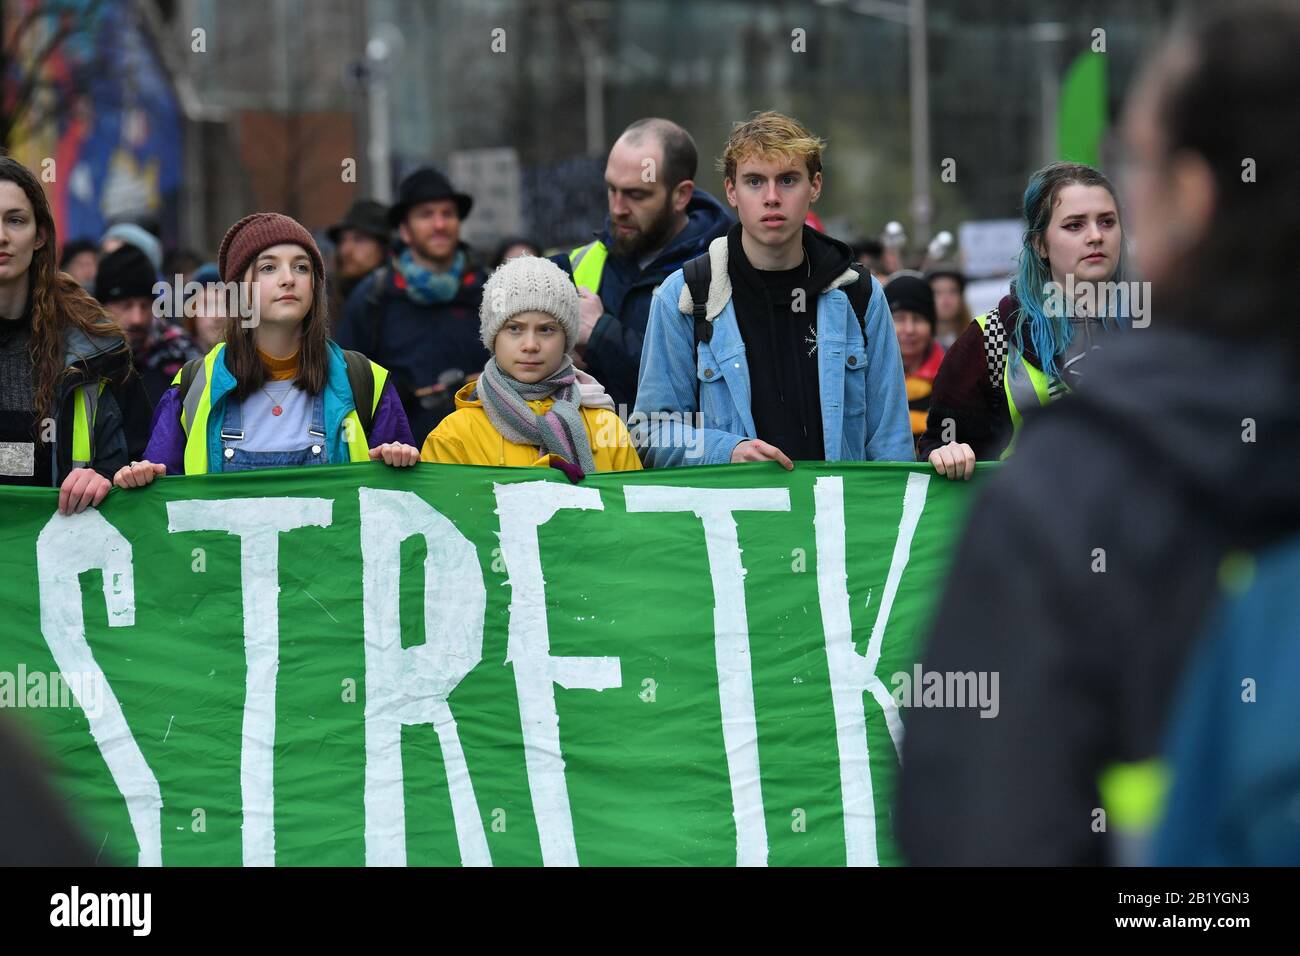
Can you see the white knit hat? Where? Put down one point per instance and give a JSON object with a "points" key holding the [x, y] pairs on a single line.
{"points": [[529, 284]]}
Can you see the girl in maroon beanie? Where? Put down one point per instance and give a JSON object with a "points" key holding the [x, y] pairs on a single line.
{"points": [[277, 392]]}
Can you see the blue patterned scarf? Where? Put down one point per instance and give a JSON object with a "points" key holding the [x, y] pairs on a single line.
{"points": [[426, 287]]}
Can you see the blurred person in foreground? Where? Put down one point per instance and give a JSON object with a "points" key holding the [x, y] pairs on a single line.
{"points": [[36, 828], [1095, 561]]}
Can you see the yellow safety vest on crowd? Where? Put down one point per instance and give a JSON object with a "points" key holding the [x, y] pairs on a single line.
{"points": [[588, 265], [85, 404], [197, 406], [1025, 384]]}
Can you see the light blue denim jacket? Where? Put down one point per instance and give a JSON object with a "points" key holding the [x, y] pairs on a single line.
{"points": [[863, 398]]}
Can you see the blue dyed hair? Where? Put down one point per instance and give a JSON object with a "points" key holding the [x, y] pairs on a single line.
{"points": [[1049, 333]]}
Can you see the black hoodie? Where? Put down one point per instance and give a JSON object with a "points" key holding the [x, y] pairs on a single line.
{"points": [[776, 312], [1178, 449]]}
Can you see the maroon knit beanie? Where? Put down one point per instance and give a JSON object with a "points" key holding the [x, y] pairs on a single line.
{"points": [[248, 237]]}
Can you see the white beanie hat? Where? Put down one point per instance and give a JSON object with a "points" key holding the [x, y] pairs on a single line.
{"points": [[529, 284]]}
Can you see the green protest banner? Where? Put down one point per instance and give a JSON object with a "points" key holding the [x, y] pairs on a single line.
{"points": [[453, 665]]}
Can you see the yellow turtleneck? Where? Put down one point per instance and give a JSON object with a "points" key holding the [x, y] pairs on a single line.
{"points": [[279, 370]]}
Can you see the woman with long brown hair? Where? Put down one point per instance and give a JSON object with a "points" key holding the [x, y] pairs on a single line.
{"points": [[71, 409], [277, 392]]}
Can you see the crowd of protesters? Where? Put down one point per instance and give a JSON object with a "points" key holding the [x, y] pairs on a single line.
{"points": [[402, 343], [690, 332], [719, 335]]}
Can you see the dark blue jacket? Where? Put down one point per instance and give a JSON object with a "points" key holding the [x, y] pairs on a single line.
{"points": [[417, 344], [614, 350], [1234, 751]]}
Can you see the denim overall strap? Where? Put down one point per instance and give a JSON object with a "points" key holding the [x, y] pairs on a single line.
{"points": [[234, 458], [232, 426], [317, 429]]}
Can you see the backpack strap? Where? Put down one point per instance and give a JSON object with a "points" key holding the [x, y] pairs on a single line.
{"points": [[361, 379], [699, 273], [859, 294], [189, 372]]}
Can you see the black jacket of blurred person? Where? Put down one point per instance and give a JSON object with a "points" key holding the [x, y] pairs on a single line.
{"points": [[34, 828]]}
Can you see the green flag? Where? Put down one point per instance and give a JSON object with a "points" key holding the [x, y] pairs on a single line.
{"points": [[1081, 116], [456, 665]]}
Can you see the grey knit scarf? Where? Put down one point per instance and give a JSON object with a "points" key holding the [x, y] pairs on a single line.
{"points": [[560, 431]]}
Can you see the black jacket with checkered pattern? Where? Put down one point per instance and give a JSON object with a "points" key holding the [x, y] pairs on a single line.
{"points": [[968, 403]]}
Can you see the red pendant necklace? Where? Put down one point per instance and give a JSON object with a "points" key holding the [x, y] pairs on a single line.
{"points": [[276, 408]]}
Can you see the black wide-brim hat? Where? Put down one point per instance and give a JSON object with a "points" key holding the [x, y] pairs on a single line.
{"points": [[365, 216], [426, 185]]}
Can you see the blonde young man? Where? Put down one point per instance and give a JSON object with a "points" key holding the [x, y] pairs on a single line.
{"points": [[787, 353]]}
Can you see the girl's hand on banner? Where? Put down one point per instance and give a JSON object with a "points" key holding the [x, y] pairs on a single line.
{"points": [[138, 474], [396, 454], [954, 460], [83, 487]]}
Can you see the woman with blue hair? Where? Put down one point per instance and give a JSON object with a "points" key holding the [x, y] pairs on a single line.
{"points": [[1068, 294]]}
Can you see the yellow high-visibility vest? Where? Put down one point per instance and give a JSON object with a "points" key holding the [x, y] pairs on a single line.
{"points": [[1025, 384], [85, 404], [588, 265], [197, 407]]}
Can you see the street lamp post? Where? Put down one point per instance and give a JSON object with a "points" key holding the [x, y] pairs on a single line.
{"points": [[922, 205], [911, 13], [378, 148], [1047, 36]]}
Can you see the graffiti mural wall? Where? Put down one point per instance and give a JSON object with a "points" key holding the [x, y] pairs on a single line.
{"points": [[101, 124]]}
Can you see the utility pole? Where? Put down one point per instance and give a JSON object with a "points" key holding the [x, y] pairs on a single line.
{"points": [[922, 205], [1047, 36], [379, 150]]}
